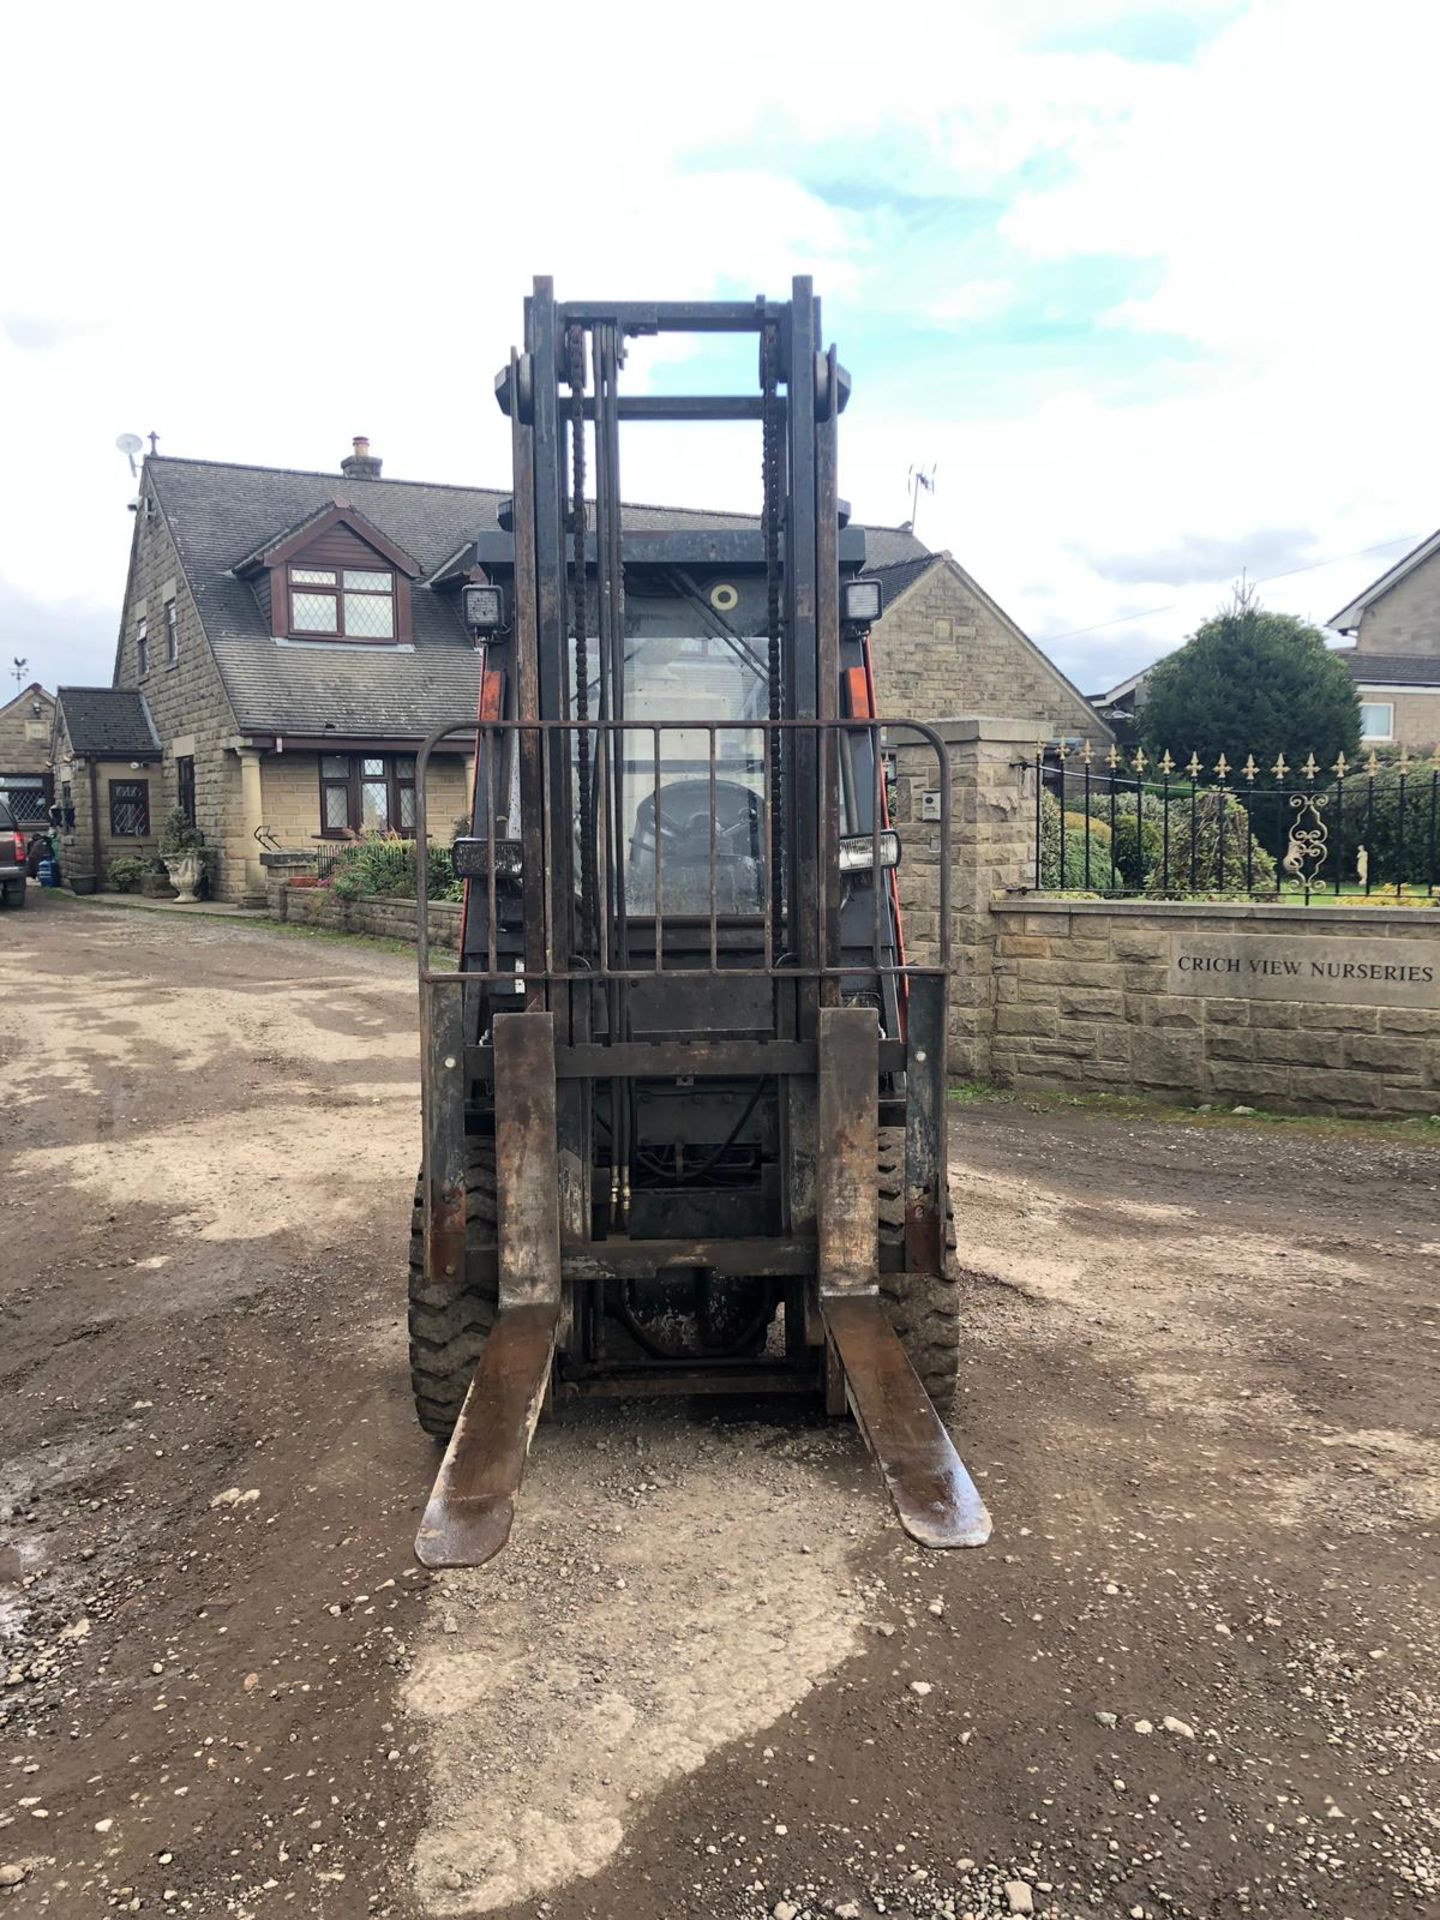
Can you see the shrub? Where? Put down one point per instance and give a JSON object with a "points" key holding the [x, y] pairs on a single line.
{"points": [[1370, 818], [1138, 840], [177, 836], [125, 873], [1099, 829], [383, 863], [1104, 876], [1196, 864]]}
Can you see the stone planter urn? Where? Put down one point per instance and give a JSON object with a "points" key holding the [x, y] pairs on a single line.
{"points": [[185, 870]]}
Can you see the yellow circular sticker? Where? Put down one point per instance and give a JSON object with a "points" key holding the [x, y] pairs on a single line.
{"points": [[723, 598]]}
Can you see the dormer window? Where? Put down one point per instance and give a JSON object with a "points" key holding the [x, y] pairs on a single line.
{"points": [[345, 603], [335, 577]]}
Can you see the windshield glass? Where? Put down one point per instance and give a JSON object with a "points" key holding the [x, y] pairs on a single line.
{"points": [[666, 815]]}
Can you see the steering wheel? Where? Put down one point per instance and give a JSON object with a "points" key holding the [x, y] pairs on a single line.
{"points": [[685, 818]]}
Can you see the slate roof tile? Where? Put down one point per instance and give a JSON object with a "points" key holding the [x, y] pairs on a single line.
{"points": [[1392, 669], [220, 514], [110, 721]]}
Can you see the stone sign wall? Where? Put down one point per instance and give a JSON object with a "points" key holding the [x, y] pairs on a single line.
{"points": [[1327, 1009], [1305, 967]]}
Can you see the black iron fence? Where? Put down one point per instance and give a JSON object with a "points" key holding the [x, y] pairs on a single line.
{"points": [[1127, 824]]}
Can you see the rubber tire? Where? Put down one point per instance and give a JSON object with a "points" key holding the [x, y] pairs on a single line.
{"points": [[15, 894], [450, 1317], [924, 1308]]}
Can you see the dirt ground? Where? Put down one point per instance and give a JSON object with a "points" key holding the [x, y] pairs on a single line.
{"points": [[1194, 1674]]}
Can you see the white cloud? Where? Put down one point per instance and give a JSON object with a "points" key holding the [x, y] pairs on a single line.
{"points": [[260, 253]]}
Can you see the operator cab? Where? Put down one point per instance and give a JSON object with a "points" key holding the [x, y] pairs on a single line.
{"points": [[695, 782]]}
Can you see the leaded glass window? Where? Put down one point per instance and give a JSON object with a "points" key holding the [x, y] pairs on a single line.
{"points": [[314, 612], [352, 603], [367, 793]]}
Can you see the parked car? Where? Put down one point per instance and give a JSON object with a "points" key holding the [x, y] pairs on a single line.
{"points": [[12, 859]]}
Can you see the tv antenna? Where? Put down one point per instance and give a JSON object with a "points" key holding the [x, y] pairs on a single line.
{"points": [[919, 477], [130, 444]]}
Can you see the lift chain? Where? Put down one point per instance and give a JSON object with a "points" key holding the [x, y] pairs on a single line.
{"points": [[576, 345]]}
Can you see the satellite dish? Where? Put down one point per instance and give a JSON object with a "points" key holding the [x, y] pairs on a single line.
{"points": [[130, 444]]}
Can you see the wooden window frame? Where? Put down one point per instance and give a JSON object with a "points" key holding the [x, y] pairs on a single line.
{"points": [[142, 649], [185, 786], [172, 635], [338, 593], [354, 779], [142, 788]]}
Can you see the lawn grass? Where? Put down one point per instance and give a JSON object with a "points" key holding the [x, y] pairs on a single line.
{"points": [[441, 958], [1420, 1129]]}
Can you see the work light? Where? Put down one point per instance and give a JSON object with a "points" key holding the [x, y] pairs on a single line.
{"points": [[484, 608], [863, 601]]}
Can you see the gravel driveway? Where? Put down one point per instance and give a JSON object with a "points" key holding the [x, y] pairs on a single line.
{"points": [[1193, 1675]]}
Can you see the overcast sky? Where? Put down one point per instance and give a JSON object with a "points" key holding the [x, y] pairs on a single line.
{"points": [[1152, 288]]}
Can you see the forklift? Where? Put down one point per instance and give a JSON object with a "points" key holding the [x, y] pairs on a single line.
{"points": [[684, 1094]]}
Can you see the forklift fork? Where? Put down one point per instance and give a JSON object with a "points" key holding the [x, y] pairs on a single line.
{"points": [[934, 1497], [472, 1503]]}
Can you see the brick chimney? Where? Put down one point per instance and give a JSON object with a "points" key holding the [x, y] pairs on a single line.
{"points": [[361, 464]]}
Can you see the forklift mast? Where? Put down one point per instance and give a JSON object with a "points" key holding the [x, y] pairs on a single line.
{"points": [[683, 1011]]}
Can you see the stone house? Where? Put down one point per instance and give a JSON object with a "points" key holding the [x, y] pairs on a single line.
{"points": [[282, 644], [289, 638], [106, 758], [25, 779], [1395, 659], [944, 647]]}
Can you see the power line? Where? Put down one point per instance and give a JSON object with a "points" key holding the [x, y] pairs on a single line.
{"points": [[1120, 620]]}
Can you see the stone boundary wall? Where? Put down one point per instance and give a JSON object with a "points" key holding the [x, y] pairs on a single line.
{"points": [[1103, 995], [388, 915]]}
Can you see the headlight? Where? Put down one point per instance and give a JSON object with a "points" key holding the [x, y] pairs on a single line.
{"points": [[469, 857], [857, 851]]}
